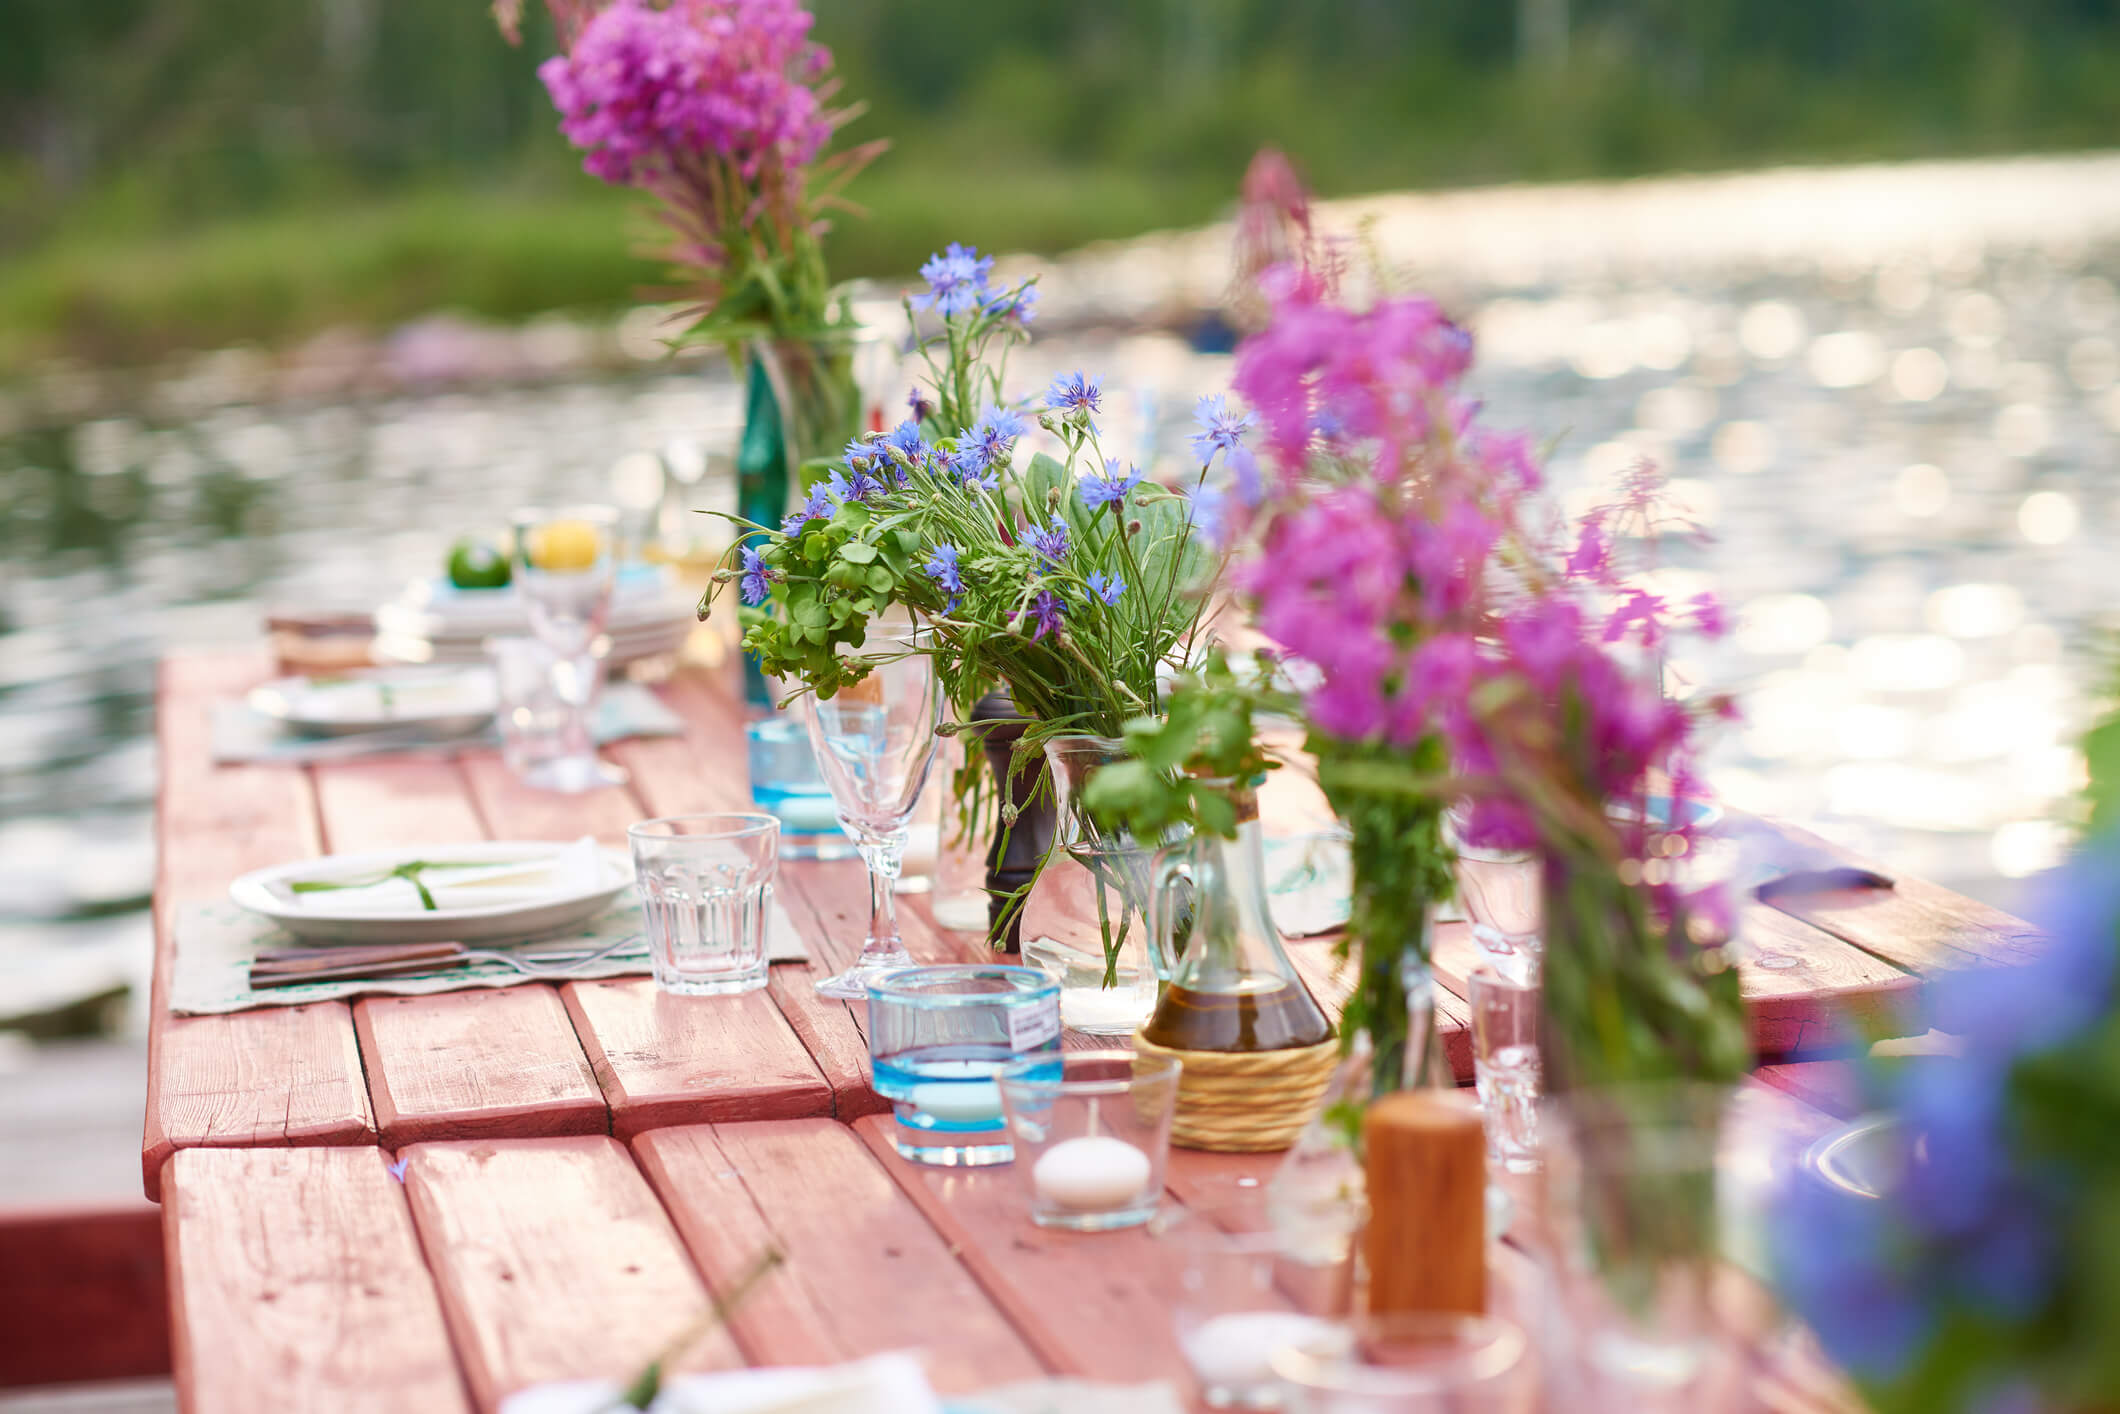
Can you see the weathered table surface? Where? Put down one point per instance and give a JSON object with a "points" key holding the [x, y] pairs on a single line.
{"points": [[582, 1163]]}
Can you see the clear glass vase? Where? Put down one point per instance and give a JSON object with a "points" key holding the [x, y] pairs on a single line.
{"points": [[1635, 1242], [1086, 919]]}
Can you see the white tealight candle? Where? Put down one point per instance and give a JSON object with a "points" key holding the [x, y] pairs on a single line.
{"points": [[1235, 1351], [976, 1102], [1093, 1174]]}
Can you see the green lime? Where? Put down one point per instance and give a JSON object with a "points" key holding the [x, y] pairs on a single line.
{"points": [[474, 564]]}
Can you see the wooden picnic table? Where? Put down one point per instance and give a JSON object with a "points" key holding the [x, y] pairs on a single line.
{"points": [[429, 1202]]}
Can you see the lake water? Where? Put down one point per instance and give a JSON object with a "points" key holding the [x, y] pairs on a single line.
{"points": [[1889, 394]]}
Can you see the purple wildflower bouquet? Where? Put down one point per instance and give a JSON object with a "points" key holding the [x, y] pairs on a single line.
{"points": [[720, 110], [1986, 1278], [1445, 642]]}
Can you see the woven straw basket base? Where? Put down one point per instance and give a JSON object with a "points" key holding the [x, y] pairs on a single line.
{"points": [[1246, 1102]]}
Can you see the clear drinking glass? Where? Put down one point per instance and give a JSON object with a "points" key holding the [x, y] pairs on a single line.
{"points": [[1091, 1141], [1416, 1363], [875, 743], [1243, 1293], [1501, 891], [706, 891], [786, 784], [939, 1037], [537, 723], [1505, 1064], [566, 561]]}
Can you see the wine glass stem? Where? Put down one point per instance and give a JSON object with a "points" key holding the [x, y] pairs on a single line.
{"points": [[884, 855], [581, 684]]}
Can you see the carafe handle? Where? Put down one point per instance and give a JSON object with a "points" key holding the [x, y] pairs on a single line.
{"points": [[1172, 864]]}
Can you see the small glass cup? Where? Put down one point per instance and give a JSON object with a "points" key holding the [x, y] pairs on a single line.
{"points": [[1092, 1136], [1416, 1363], [938, 1039], [566, 563], [1243, 1293], [706, 890], [785, 784], [1505, 1064], [545, 708]]}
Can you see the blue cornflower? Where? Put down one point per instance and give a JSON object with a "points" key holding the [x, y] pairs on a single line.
{"points": [[861, 452], [758, 577], [920, 405], [1834, 1262], [993, 436], [1046, 610], [941, 567], [956, 281], [1049, 541], [838, 487], [1072, 392], [904, 448], [972, 470], [1206, 507], [818, 506], [1019, 304], [1220, 429], [1107, 587], [1110, 489]]}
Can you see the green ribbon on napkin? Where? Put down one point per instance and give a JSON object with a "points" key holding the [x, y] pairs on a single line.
{"points": [[409, 871]]}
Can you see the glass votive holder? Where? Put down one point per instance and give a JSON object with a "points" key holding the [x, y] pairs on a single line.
{"points": [[786, 785], [938, 1039], [1092, 1135], [1416, 1363], [1505, 1064], [706, 892], [1242, 1293]]}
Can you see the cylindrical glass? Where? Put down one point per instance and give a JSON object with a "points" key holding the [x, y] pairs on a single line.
{"points": [[1501, 892], [939, 1037], [1505, 1064], [1086, 919], [706, 891], [1631, 1187], [786, 784], [1242, 1294], [566, 562], [1091, 1141], [1418, 1363], [545, 708]]}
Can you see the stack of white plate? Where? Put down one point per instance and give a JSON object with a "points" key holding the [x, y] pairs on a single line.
{"points": [[432, 621]]}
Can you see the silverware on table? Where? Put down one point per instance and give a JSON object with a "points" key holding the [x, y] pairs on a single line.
{"points": [[287, 967]]}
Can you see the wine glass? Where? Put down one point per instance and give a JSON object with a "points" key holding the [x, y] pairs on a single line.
{"points": [[875, 743], [566, 562]]}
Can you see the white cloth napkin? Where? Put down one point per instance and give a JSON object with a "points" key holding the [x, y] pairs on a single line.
{"points": [[881, 1384], [487, 881]]}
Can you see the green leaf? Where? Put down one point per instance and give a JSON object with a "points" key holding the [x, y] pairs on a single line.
{"points": [[858, 552]]}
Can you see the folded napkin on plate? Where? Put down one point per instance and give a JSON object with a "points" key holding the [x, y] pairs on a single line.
{"points": [[882, 1384], [486, 881]]}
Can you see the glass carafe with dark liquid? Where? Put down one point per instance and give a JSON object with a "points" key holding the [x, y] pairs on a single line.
{"points": [[1231, 986]]}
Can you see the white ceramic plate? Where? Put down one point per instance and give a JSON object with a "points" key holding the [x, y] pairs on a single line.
{"points": [[444, 700], [521, 908]]}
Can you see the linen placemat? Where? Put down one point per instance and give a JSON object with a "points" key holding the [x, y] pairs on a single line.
{"points": [[241, 734], [216, 942]]}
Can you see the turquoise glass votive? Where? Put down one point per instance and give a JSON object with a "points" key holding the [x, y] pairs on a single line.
{"points": [[938, 1036], [785, 783]]}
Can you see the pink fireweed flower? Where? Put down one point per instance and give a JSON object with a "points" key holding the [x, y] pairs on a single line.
{"points": [[645, 91]]}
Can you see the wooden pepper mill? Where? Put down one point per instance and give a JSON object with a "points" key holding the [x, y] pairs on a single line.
{"points": [[1426, 1171]]}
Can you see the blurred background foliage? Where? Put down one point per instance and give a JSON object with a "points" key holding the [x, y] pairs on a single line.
{"points": [[185, 173]]}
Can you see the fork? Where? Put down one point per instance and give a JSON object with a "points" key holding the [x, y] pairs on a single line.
{"points": [[286, 967]]}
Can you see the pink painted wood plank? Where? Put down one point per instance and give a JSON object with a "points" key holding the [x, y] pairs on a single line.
{"points": [[554, 1261], [285, 1075], [690, 1060], [1830, 1087], [864, 1272], [395, 801], [1090, 1304], [464, 1065], [296, 1282], [514, 811]]}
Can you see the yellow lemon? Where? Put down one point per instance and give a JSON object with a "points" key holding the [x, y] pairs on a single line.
{"points": [[562, 545]]}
